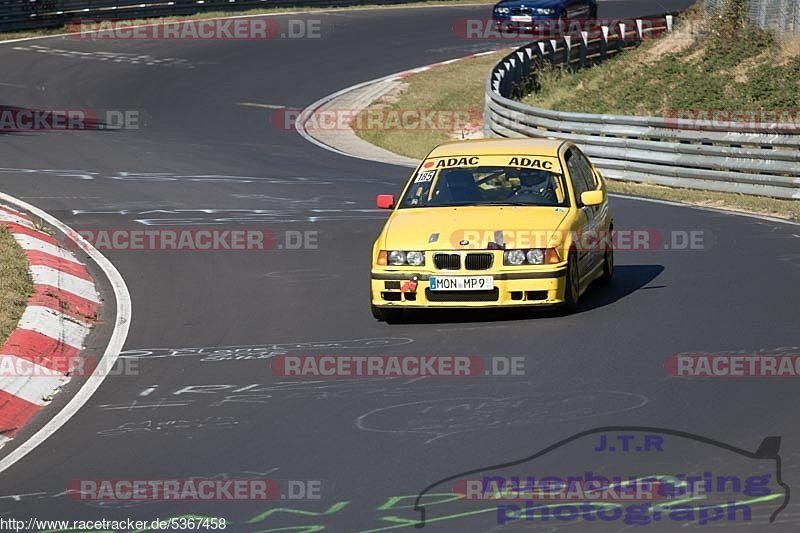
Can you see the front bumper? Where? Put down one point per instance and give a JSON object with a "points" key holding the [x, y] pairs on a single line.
{"points": [[519, 288], [537, 23]]}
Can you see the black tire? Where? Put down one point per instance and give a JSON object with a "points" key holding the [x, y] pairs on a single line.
{"points": [[386, 314], [572, 289], [608, 267]]}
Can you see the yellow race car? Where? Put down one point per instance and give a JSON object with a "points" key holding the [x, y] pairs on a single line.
{"points": [[493, 223]]}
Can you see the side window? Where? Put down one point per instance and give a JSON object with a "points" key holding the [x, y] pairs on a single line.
{"points": [[576, 174], [586, 170]]}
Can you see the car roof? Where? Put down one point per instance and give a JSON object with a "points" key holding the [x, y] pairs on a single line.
{"points": [[545, 147]]}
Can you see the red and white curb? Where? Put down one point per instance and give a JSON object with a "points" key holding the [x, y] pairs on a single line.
{"points": [[39, 355]]}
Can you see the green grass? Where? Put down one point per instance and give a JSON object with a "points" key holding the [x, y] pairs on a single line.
{"points": [[774, 207], [455, 87], [720, 65], [15, 283], [44, 32]]}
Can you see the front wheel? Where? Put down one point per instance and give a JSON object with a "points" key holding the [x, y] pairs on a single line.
{"points": [[572, 290]]}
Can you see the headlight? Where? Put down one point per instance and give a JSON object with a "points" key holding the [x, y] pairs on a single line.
{"points": [[415, 258], [544, 11], [400, 258], [397, 258], [502, 10], [535, 257], [514, 257]]}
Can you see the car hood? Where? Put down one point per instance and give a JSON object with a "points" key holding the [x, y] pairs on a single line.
{"points": [[444, 228], [532, 3]]}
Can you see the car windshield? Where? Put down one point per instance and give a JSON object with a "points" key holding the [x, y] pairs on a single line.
{"points": [[485, 186]]}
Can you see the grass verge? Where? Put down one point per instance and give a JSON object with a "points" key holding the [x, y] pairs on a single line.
{"points": [[705, 65], [15, 283], [453, 88], [45, 32], [460, 85]]}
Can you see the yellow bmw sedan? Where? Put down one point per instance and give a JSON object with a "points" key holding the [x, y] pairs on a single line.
{"points": [[494, 223]]}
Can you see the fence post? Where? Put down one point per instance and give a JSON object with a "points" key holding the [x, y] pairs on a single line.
{"points": [[584, 46], [567, 49], [604, 43], [621, 42]]}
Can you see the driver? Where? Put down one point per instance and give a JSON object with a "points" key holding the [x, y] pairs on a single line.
{"points": [[534, 182]]}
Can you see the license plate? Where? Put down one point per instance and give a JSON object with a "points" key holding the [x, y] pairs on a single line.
{"points": [[462, 283], [521, 18]]}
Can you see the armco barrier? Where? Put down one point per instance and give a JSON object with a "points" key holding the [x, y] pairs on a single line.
{"points": [[742, 158]]}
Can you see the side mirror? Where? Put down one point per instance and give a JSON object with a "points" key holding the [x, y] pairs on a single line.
{"points": [[592, 198], [385, 201]]}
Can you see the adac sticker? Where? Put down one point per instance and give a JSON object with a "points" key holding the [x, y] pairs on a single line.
{"points": [[425, 176], [453, 162], [530, 163]]}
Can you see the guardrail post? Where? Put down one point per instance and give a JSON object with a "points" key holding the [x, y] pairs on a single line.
{"points": [[621, 27], [527, 70], [584, 46], [567, 49], [603, 43], [639, 30], [669, 21], [540, 50], [553, 45]]}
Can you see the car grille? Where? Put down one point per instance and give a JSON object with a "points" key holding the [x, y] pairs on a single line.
{"points": [[478, 261], [520, 11], [447, 261]]}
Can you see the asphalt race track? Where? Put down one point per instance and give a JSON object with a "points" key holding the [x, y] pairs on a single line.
{"points": [[199, 159]]}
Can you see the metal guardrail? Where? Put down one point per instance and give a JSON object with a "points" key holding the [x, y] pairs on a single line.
{"points": [[733, 157], [30, 14]]}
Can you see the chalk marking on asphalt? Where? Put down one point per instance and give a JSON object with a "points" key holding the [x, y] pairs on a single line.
{"points": [[115, 344], [265, 106]]}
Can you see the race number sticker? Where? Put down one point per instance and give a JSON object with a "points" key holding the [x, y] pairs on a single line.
{"points": [[427, 175]]}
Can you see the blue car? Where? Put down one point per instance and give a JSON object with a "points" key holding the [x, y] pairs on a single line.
{"points": [[528, 15]]}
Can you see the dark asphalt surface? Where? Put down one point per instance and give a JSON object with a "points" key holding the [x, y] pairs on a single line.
{"points": [[199, 158]]}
